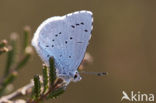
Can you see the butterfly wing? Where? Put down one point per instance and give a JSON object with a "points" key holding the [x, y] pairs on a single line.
{"points": [[65, 38], [80, 26]]}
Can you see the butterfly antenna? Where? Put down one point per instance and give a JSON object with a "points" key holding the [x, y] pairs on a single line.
{"points": [[95, 73]]}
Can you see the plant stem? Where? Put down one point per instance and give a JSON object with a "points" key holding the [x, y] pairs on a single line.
{"points": [[20, 92]]}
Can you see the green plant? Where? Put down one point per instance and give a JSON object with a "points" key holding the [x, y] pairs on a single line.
{"points": [[13, 65]]}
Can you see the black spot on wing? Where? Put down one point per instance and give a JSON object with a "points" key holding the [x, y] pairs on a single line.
{"points": [[72, 26], [79, 42], [71, 38], [82, 23], [77, 24], [86, 30]]}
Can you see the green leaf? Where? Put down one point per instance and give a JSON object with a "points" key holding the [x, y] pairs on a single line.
{"points": [[26, 37], [57, 92], [45, 78], [11, 54], [52, 71], [9, 79], [37, 86], [23, 61]]}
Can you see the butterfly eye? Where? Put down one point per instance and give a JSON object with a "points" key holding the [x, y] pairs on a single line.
{"points": [[75, 76]]}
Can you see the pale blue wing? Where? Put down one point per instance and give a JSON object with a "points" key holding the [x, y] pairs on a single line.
{"points": [[66, 39]]}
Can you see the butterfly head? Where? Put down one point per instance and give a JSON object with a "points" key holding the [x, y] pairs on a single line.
{"points": [[76, 77]]}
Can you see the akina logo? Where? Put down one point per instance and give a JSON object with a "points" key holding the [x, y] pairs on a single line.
{"points": [[137, 96]]}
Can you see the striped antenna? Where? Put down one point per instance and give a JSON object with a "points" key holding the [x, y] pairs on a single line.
{"points": [[95, 73]]}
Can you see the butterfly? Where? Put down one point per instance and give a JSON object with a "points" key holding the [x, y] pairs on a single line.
{"points": [[65, 38]]}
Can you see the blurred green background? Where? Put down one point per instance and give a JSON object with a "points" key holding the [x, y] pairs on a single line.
{"points": [[123, 44]]}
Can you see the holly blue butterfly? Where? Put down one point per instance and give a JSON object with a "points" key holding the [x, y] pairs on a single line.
{"points": [[65, 38]]}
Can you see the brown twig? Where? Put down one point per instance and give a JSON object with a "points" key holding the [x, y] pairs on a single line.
{"points": [[20, 92]]}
